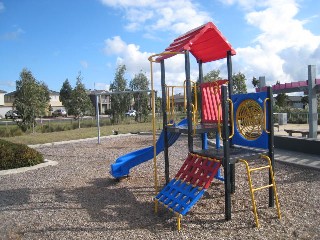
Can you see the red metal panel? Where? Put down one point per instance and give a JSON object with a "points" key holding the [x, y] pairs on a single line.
{"points": [[211, 95], [206, 43], [198, 171], [303, 83]]}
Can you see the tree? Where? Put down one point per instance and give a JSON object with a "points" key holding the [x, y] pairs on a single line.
{"points": [[305, 101], [212, 76], [140, 82], [80, 102], [31, 99], [281, 99], [255, 82], [120, 103], [239, 83], [65, 95]]}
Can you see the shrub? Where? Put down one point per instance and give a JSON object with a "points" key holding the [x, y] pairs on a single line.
{"points": [[10, 132], [18, 155]]}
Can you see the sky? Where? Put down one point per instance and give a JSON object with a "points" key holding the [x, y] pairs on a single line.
{"points": [[57, 39]]}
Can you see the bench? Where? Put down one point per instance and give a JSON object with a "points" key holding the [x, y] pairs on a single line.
{"points": [[304, 133]]}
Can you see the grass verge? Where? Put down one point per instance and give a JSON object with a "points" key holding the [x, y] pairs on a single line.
{"points": [[40, 138]]}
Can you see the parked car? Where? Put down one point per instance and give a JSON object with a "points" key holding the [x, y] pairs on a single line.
{"points": [[131, 113], [59, 112], [13, 114]]}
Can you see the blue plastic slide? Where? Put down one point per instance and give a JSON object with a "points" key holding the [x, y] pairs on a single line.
{"points": [[124, 163]]}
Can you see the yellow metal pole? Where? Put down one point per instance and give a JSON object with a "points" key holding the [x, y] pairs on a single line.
{"points": [[251, 193], [154, 132], [273, 185], [178, 221]]}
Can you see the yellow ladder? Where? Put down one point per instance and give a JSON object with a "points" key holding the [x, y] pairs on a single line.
{"points": [[252, 190]]}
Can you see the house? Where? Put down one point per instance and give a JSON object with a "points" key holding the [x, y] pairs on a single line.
{"points": [[294, 101], [54, 100], [179, 101], [9, 100], [104, 100], [2, 97], [2, 108]]}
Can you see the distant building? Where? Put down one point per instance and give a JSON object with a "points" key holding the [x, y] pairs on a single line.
{"points": [[294, 102], [9, 100], [104, 101], [2, 97]]}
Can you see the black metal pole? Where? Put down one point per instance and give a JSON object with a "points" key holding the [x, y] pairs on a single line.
{"points": [[230, 89], [226, 149], [271, 142], [189, 93], [164, 125]]}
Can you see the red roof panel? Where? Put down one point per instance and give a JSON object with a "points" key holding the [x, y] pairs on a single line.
{"points": [[206, 43]]}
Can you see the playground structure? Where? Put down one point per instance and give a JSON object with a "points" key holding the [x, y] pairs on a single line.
{"points": [[242, 121], [247, 116]]}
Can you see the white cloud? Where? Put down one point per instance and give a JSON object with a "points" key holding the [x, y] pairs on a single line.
{"points": [[280, 51], [84, 64], [12, 35], [127, 3], [136, 60], [284, 47], [154, 16], [8, 83], [1, 7]]}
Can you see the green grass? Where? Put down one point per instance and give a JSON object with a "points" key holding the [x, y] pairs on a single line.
{"points": [[40, 138]]}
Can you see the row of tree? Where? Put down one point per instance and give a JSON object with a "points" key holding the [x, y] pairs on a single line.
{"points": [[32, 96], [120, 103], [76, 100], [32, 99]]}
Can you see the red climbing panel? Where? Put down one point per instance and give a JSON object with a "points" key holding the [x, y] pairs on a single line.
{"points": [[211, 95], [198, 170]]}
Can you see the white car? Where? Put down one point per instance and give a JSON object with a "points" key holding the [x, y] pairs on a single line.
{"points": [[131, 113], [59, 112]]}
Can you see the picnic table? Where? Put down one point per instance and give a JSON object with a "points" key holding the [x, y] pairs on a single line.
{"points": [[304, 133]]}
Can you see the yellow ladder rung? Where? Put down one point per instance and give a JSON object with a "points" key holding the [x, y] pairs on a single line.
{"points": [[263, 187], [259, 168]]}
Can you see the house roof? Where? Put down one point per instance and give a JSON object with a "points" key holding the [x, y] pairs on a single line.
{"points": [[50, 92], [54, 92], [206, 43]]}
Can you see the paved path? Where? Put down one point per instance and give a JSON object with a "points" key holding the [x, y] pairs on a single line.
{"points": [[297, 158]]}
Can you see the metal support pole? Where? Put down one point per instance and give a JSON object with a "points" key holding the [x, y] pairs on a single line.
{"points": [[188, 92], [98, 117], [312, 96], [230, 89], [226, 149], [165, 119], [271, 142]]}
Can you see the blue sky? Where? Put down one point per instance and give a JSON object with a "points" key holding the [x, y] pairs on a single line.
{"points": [[55, 39]]}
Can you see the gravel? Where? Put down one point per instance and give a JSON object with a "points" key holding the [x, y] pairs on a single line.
{"points": [[79, 199]]}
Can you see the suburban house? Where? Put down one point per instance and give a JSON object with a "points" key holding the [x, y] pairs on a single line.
{"points": [[8, 99], [178, 102], [2, 111], [294, 102], [104, 101]]}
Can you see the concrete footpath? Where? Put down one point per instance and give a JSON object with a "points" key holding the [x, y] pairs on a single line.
{"points": [[297, 158]]}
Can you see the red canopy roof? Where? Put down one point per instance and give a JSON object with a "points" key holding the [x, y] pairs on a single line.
{"points": [[206, 43]]}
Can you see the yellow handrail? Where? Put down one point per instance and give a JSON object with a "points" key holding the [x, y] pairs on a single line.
{"points": [[232, 117]]}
